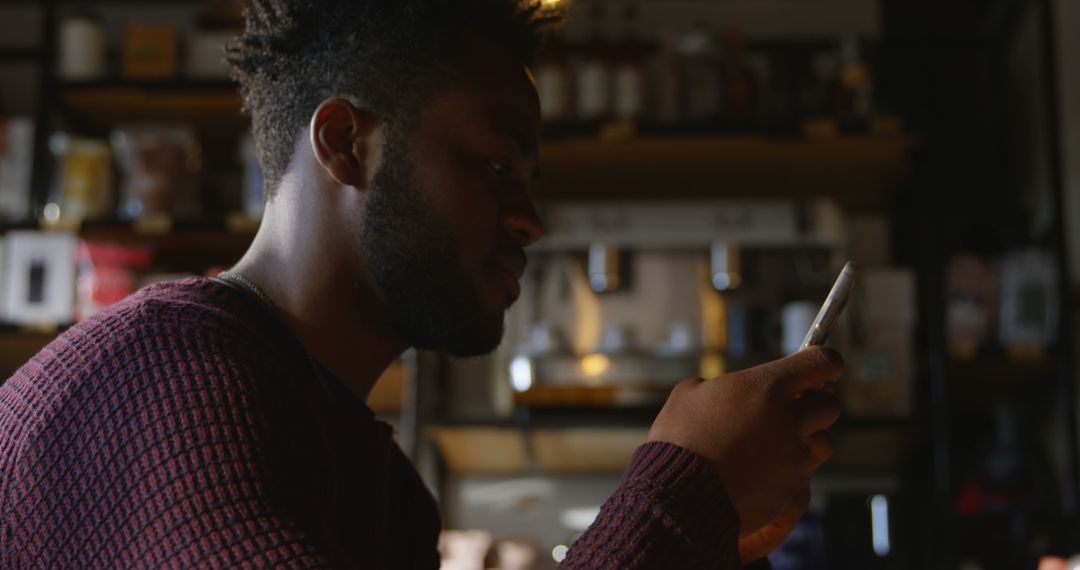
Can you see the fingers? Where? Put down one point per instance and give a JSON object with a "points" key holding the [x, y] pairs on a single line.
{"points": [[813, 368], [819, 450], [1050, 563], [816, 411], [798, 505], [765, 540]]}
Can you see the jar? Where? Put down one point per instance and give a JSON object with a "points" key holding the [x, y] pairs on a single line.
{"points": [[82, 51]]}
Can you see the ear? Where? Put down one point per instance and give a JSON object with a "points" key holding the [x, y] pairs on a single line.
{"points": [[343, 139]]}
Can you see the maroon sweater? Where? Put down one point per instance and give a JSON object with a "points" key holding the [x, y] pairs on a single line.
{"points": [[182, 428]]}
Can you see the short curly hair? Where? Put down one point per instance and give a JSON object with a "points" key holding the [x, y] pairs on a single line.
{"points": [[389, 55]]}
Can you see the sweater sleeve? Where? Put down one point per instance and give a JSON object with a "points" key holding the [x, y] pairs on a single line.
{"points": [[670, 511], [154, 458]]}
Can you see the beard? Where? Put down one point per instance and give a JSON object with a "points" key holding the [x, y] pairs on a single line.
{"points": [[413, 259]]}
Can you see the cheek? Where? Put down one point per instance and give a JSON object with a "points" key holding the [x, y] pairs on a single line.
{"points": [[466, 200]]}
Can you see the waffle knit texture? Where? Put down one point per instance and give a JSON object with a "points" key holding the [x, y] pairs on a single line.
{"points": [[183, 428]]}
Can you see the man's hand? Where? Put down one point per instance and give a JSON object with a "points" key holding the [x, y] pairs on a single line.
{"points": [[1052, 563], [769, 537], [757, 545], [763, 429]]}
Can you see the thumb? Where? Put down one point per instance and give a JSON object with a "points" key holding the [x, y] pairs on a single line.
{"points": [[812, 368]]}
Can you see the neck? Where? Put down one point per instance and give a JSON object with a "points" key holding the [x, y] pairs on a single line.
{"points": [[301, 266]]}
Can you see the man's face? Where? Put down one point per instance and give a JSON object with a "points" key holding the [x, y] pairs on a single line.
{"points": [[449, 212]]}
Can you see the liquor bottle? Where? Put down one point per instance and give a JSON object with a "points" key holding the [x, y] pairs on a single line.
{"points": [[855, 89], [16, 162], [665, 74], [701, 76], [81, 53], [594, 76], [773, 108], [553, 82], [817, 95], [629, 93], [740, 89]]}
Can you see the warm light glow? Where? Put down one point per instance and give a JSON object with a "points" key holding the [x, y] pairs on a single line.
{"points": [[595, 365], [587, 320], [551, 3], [712, 365], [879, 525], [521, 373], [52, 212], [713, 312], [559, 552]]}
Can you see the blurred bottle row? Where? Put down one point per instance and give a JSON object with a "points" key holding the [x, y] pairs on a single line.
{"points": [[1005, 302], [143, 172], [699, 79], [92, 48]]}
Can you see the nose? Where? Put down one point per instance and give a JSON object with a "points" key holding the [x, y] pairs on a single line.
{"points": [[523, 223]]}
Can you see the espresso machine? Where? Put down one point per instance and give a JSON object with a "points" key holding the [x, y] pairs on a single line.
{"points": [[624, 300]]}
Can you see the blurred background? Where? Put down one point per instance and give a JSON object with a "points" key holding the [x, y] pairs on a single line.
{"points": [[708, 167]]}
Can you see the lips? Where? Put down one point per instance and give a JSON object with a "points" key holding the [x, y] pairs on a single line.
{"points": [[512, 264], [511, 268]]}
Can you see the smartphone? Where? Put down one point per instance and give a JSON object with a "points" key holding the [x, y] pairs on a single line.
{"points": [[829, 314]]}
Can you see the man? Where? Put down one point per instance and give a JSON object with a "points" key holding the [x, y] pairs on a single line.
{"points": [[220, 423]]}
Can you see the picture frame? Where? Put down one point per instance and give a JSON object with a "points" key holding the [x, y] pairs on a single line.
{"points": [[38, 278]]}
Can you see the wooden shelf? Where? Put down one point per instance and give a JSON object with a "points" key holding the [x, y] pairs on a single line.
{"points": [[563, 418], [984, 382], [192, 249], [510, 451], [82, 3], [212, 107], [170, 85], [482, 450], [1000, 370], [194, 237], [142, 3], [581, 450], [860, 172], [507, 450]]}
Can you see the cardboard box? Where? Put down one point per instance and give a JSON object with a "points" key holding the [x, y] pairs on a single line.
{"points": [[150, 52]]}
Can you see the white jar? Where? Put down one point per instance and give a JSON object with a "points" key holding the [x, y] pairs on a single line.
{"points": [[82, 48]]}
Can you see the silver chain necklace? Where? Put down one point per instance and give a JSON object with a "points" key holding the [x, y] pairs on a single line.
{"points": [[239, 279], [276, 312], [249, 285]]}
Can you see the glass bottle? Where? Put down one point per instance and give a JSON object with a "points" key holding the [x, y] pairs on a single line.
{"points": [[629, 92], [553, 82], [701, 75], [740, 88], [594, 75]]}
